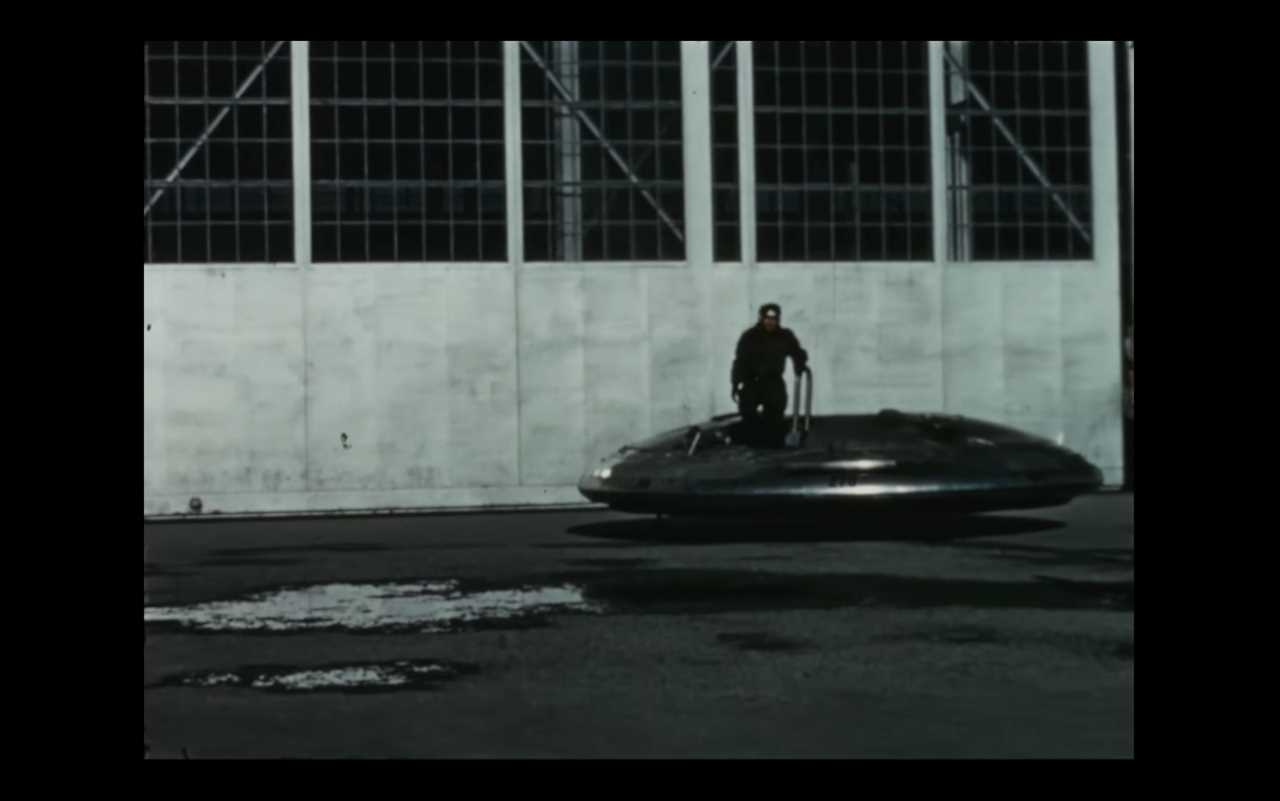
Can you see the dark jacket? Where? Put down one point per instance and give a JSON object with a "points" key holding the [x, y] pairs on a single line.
{"points": [[762, 356]]}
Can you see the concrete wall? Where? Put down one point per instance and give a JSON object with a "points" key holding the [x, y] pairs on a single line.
{"points": [[498, 384], [253, 376]]}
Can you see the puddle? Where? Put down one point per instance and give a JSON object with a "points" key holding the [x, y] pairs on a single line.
{"points": [[336, 547], [1117, 594], [1112, 558], [610, 563], [375, 677], [760, 641], [949, 635], [373, 608], [265, 561], [151, 570], [1083, 645]]}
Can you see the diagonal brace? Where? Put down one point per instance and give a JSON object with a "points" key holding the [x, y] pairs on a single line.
{"points": [[727, 48], [204, 137], [648, 154], [1021, 151], [567, 97]]}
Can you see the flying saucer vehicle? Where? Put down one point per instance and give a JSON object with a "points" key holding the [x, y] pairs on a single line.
{"points": [[868, 462]]}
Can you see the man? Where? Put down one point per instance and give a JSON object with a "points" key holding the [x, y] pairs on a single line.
{"points": [[758, 387]]}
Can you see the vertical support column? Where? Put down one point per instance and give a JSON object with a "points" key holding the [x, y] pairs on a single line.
{"points": [[939, 150], [513, 138], [1132, 253], [699, 219], [569, 153], [695, 84], [1102, 68], [300, 106], [300, 111], [1130, 462], [953, 232], [747, 153], [1104, 153]]}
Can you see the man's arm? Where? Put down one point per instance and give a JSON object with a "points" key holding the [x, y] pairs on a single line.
{"points": [[799, 357], [738, 374]]}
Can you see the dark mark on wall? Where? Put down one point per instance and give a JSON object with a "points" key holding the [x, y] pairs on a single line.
{"points": [[345, 443]]}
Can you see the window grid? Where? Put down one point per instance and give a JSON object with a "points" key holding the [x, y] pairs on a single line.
{"points": [[232, 201], [407, 151], [727, 242], [842, 151], [1000, 209], [580, 202]]}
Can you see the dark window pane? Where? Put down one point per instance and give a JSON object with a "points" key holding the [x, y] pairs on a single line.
{"points": [[235, 155], [194, 244], [645, 133], [1031, 95]]}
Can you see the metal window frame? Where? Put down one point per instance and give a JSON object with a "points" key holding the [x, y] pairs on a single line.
{"points": [[1099, 72], [367, 186], [733, 221], [239, 100], [1101, 141], [566, 97], [906, 227]]}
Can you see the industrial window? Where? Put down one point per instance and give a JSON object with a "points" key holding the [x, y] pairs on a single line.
{"points": [[603, 154], [1018, 150], [724, 144], [218, 164], [407, 159], [842, 151]]}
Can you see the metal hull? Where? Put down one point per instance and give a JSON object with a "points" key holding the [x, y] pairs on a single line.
{"points": [[925, 503], [891, 462]]}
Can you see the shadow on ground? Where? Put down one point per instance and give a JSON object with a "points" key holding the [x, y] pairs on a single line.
{"points": [[706, 531], [685, 591], [1043, 555]]}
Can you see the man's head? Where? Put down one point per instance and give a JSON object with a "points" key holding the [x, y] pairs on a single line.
{"points": [[770, 316]]}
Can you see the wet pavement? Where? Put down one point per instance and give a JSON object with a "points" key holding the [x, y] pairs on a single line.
{"points": [[597, 634]]}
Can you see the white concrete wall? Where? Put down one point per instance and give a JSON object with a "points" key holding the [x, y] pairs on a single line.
{"points": [[417, 365], [498, 384]]}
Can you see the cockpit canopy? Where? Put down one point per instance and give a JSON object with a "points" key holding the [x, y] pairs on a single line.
{"points": [[844, 432], [718, 431]]}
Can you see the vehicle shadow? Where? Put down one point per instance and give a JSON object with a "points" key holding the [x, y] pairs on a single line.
{"points": [[845, 528]]}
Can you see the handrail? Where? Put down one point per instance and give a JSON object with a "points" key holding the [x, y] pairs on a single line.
{"points": [[808, 401], [697, 437], [804, 385]]}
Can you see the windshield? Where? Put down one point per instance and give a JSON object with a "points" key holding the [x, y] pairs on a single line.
{"points": [[714, 434], [674, 440]]}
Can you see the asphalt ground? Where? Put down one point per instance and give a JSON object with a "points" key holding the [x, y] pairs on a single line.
{"points": [[597, 634]]}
